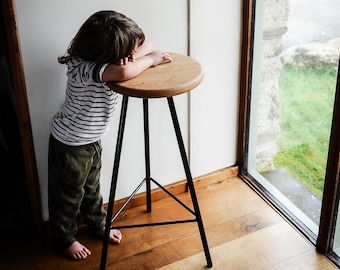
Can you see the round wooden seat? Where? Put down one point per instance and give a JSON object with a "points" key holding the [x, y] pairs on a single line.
{"points": [[180, 76]]}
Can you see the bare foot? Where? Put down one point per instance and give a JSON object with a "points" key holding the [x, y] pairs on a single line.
{"points": [[77, 251], [115, 235]]}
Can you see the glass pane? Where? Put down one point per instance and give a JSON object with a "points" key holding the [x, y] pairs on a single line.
{"points": [[296, 53]]}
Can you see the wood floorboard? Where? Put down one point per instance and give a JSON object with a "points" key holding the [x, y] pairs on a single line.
{"points": [[259, 251], [243, 233]]}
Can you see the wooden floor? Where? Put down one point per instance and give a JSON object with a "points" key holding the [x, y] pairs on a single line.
{"points": [[242, 230]]}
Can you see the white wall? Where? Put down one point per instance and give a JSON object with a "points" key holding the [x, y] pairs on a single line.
{"points": [[45, 29], [215, 43]]}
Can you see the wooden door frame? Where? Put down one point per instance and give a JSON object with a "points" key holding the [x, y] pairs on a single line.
{"points": [[329, 208], [330, 200], [21, 102], [248, 20]]}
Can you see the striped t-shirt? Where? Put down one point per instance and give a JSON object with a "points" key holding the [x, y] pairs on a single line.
{"points": [[88, 108]]}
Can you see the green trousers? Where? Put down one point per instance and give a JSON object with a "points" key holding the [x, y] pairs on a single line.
{"points": [[73, 186]]}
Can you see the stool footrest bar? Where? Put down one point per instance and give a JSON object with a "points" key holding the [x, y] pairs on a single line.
{"points": [[173, 196], [154, 224], [139, 187], [127, 201]]}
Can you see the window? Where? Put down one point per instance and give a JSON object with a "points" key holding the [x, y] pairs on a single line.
{"points": [[288, 85]]}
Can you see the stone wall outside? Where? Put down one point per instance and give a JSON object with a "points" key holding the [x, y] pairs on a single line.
{"points": [[268, 129], [319, 50]]}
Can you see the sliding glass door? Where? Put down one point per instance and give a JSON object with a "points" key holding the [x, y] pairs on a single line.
{"points": [[295, 56]]}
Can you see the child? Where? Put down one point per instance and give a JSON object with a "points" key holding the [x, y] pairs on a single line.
{"points": [[108, 47]]}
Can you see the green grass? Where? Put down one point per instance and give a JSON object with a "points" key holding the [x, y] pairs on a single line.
{"points": [[306, 98]]}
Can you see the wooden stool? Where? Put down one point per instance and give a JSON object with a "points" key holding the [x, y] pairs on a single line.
{"points": [[163, 81]]}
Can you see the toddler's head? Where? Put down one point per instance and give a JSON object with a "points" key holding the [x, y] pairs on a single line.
{"points": [[105, 37]]}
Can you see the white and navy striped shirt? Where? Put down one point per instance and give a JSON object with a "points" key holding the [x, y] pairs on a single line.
{"points": [[88, 108]]}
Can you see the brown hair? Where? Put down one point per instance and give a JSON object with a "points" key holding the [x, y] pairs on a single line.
{"points": [[105, 37]]}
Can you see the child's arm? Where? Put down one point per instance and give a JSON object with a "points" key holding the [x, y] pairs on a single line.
{"points": [[143, 59], [144, 49]]}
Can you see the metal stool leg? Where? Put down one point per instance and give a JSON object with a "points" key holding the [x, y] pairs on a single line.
{"points": [[189, 180], [114, 181], [147, 154]]}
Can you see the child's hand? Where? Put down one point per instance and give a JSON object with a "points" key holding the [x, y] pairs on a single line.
{"points": [[125, 60], [159, 57]]}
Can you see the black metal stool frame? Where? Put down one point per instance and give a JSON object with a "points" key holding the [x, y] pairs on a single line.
{"points": [[147, 180]]}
